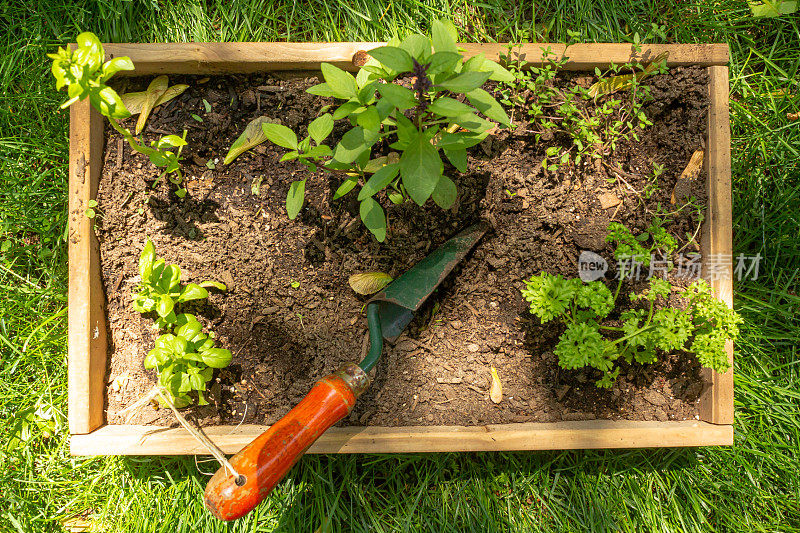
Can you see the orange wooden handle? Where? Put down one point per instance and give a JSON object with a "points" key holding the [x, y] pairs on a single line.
{"points": [[264, 462]]}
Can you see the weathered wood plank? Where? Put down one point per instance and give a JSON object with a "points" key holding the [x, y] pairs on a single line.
{"points": [[217, 58], [148, 440], [86, 316], [716, 402]]}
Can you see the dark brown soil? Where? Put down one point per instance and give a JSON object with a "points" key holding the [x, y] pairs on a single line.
{"points": [[289, 316]]}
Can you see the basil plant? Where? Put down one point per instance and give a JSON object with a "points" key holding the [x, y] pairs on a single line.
{"points": [[418, 97]]}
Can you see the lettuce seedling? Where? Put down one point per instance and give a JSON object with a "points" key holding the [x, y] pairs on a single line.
{"points": [[84, 74], [705, 325], [185, 360], [421, 97], [160, 287]]}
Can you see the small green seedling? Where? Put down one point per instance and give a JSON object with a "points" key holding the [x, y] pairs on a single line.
{"points": [[185, 360], [640, 249], [185, 357], [417, 96], [595, 125], [160, 288], [91, 209], [84, 74]]}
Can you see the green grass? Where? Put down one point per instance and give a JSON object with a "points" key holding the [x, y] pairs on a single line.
{"points": [[752, 486]]}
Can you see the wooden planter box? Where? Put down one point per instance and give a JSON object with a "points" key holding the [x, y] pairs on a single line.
{"points": [[90, 435]]}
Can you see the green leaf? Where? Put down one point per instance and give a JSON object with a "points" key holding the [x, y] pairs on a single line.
{"points": [[295, 198], [366, 95], [445, 193], [318, 152], [190, 328], [346, 109], [443, 62], [444, 36], [90, 52], [474, 63], [406, 132], [197, 382], [465, 82], [460, 140], [458, 157], [146, 259], [473, 122], [449, 107], [170, 278], [369, 282], [280, 135], [170, 141], [353, 144], [321, 127], [154, 91], [217, 357], [134, 101], [395, 58], [379, 180], [289, 156], [321, 89], [421, 168], [400, 97], [497, 72], [113, 66], [192, 291], [418, 46], [395, 197], [772, 8], [488, 106], [346, 186], [374, 218], [341, 83], [252, 136], [165, 305], [214, 284], [107, 101], [156, 358], [369, 119]]}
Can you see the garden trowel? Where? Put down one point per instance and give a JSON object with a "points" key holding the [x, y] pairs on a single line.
{"points": [[264, 462]]}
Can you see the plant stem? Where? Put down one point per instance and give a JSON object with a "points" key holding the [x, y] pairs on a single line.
{"points": [[132, 141]]}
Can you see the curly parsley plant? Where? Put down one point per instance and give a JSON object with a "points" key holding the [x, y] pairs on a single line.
{"points": [[590, 340], [702, 328]]}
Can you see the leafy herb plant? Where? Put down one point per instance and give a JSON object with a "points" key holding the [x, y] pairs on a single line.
{"points": [[160, 287], [184, 357], [418, 97], [84, 74], [590, 340], [185, 360]]}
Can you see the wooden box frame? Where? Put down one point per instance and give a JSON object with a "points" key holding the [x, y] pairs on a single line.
{"points": [[90, 435]]}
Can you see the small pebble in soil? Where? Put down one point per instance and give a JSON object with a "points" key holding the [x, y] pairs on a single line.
{"points": [[473, 347]]}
